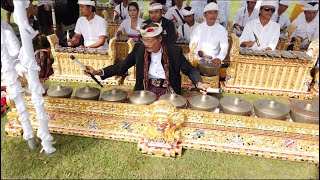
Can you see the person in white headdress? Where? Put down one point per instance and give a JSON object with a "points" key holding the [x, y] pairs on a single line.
{"points": [[211, 37], [262, 33], [91, 26], [174, 13], [158, 65], [185, 30], [308, 24], [244, 15], [282, 18]]}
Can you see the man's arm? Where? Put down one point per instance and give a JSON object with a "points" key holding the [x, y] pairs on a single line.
{"points": [[244, 39], [75, 39], [101, 41], [224, 45], [274, 38]]}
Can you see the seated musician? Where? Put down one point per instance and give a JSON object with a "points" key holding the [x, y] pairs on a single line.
{"points": [[211, 37], [174, 13], [262, 33], [185, 30], [91, 26], [158, 65], [308, 25], [129, 25], [121, 11], [282, 18], [155, 14], [244, 15]]}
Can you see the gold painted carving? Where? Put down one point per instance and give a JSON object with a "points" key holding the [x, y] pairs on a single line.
{"points": [[165, 123]]}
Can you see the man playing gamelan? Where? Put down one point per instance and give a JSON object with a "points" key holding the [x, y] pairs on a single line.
{"points": [[92, 27], [282, 18], [244, 15], [308, 25], [158, 65], [262, 33], [211, 37], [185, 30]]}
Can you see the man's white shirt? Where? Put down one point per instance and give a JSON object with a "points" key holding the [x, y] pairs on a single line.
{"points": [[242, 17], [283, 20], [267, 35], [124, 11], [91, 30], [156, 70], [308, 31], [187, 31], [213, 40], [173, 16]]}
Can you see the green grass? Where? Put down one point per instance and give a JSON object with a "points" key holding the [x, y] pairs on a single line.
{"points": [[88, 158]]}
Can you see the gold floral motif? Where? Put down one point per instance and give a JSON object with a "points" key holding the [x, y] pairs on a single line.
{"points": [[199, 130], [164, 124]]}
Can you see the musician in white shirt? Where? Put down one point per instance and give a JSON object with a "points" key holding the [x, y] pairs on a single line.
{"points": [[308, 25], [121, 11], [185, 30], [244, 15], [282, 18], [129, 25], [91, 26], [262, 33], [174, 13], [211, 37]]}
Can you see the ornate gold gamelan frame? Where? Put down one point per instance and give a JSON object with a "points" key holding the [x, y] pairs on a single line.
{"points": [[65, 70], [271, 76], [163, 130]]}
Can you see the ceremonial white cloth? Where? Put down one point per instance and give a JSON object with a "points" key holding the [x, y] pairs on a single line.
{"points": [[268, 35], [14, 46], [242, 18], [213, 40], [187, 31], [308, 31], [124, 12], [91, 30], [173, 16], [126, 27]]}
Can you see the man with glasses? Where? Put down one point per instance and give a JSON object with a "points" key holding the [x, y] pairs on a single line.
{"points": [[262, 33], [155, 14], [158, 65]]}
